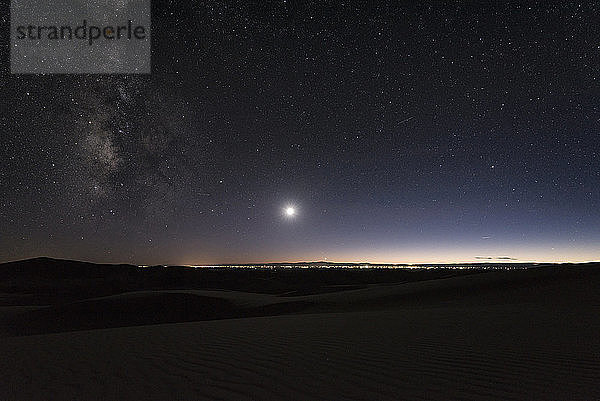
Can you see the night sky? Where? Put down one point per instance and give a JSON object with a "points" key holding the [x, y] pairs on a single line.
{"points": [[398, 132]]}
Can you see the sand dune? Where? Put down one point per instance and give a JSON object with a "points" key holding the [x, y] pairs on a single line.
{"points": [[395, 354], [531, 335]]}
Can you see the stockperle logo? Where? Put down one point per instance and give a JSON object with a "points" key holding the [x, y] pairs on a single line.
{"points": [[80, 37]]}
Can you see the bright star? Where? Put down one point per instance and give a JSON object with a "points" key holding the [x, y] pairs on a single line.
{"points": [[290, 211]]}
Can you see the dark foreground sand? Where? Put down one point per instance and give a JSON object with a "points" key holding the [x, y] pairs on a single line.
{"points": [[500, 335]]}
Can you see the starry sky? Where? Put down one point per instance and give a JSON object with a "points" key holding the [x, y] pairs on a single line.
{"points": [[399, 132]]}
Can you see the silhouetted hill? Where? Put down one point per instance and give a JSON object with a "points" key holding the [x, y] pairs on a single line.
{"points": [[49, 268]]}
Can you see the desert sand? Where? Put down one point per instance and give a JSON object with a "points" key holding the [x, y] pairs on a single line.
{"points": [[526, 334]]}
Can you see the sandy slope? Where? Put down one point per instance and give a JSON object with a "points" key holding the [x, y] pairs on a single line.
{"points": [[514, 352], [500, 336]]}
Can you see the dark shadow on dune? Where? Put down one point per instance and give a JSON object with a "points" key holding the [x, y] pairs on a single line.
{"points": [[131, 310], [137, 310]]}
